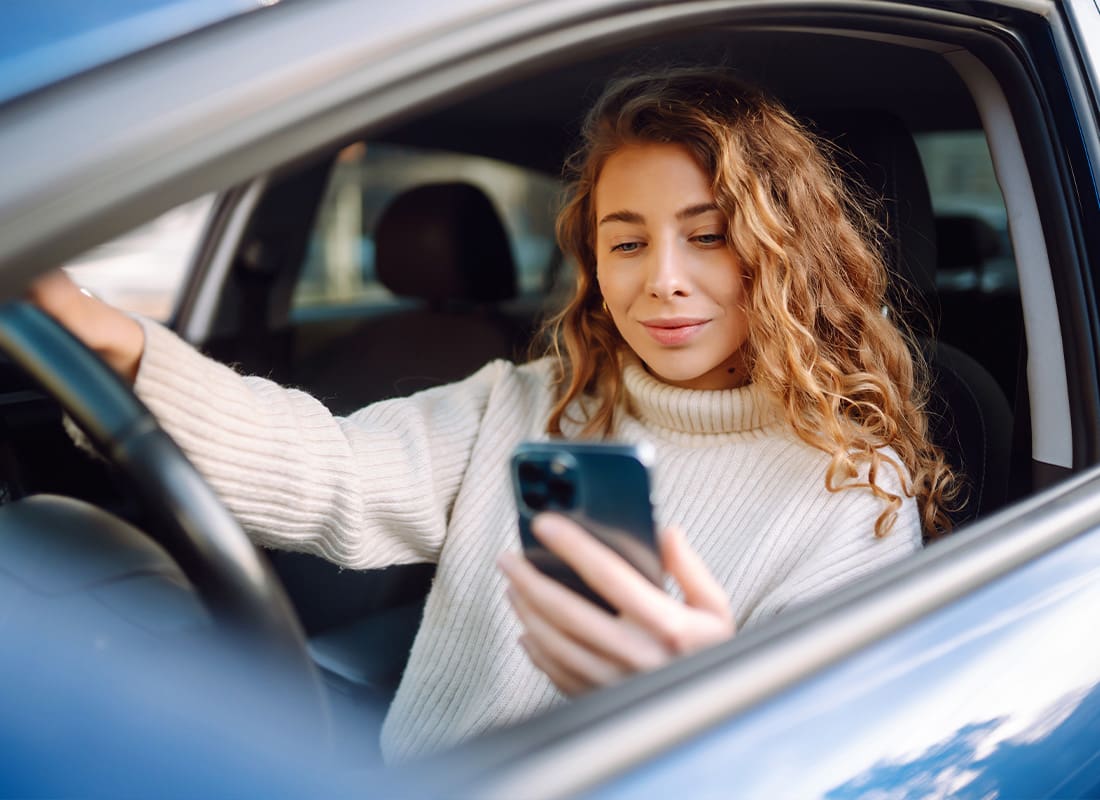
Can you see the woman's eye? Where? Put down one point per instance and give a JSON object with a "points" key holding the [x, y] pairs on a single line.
{"points": [[627, 247], [709, 238]]}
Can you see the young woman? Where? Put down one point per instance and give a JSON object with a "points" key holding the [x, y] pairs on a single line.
{"points": [[728, 310]]}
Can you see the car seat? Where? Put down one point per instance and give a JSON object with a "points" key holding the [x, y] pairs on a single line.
{"points": [[979, 295], [969, 415], [443, 248]]}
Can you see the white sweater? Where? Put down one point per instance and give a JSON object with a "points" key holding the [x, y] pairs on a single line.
{"points": [[425, 479]]}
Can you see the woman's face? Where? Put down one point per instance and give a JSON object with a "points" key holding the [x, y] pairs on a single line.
{"points": [[673, 286]]}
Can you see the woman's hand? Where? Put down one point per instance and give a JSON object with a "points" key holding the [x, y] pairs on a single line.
{"points": [[579, 645], [116, 337]]}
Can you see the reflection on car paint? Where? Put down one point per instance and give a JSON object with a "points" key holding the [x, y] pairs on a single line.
{"points": [[996, 696], [41, 44]]}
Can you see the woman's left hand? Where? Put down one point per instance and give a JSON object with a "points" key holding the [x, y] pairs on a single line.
{"points": [[579, 645]]}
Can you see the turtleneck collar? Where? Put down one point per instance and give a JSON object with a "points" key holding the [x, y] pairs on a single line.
{"points": [[696, 410]]}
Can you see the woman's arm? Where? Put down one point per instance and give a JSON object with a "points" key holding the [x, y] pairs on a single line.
{"points": [[369, 490]]}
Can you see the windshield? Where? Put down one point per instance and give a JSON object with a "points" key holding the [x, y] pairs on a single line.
{"points": [[43, 42]]}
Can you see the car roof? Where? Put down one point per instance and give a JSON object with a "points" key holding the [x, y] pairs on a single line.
{"points": [[192, 115]]}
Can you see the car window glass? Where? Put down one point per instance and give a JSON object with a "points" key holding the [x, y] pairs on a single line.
{"points": [[338, 275], [977, 307], [971, 222], [143, 271]]}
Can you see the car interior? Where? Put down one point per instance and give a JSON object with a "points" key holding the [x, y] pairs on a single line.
{"points": [[408, 255]]}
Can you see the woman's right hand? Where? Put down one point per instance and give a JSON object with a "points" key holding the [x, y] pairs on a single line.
{"points": [[116, 337]]}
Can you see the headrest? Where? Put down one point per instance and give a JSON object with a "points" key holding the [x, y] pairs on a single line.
{"points": [[878, 152], [444, 242], [965, 241]]}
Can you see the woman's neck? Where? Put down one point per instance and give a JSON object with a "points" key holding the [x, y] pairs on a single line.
{"points": [[690, 410]]}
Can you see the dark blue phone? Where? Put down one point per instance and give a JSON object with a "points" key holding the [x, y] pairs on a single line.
{"points": [[604, 487]]}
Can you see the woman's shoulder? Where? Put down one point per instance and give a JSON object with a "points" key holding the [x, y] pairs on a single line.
{"points": [[885, 466], [886, 471], [837, 492], [536, 376]]}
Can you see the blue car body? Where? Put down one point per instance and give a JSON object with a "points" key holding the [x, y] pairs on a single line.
{"points": [[41, 43], [996, 695]]}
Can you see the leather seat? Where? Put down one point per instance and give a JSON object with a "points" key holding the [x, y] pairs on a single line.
{"points": [[969, 415], [443, 248]]}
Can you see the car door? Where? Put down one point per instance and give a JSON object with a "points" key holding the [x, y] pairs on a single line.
{"points": [[892, 654]]}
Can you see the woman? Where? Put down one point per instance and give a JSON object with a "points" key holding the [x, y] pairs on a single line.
{"points": [[728, 310]]}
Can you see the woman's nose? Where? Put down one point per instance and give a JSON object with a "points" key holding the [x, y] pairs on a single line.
{"points": [[666, 275]]}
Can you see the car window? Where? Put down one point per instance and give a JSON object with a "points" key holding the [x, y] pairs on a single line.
{"points": [[338, 275], [143, 271], [974, 249], [978, 308]]}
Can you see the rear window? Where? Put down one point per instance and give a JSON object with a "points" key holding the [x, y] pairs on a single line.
{"points": [[143, 271], [971, 222], [339, 273]]}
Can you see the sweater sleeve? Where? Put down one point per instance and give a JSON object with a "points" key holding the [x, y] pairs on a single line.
{"points": [[843, 546], [369, 490]]}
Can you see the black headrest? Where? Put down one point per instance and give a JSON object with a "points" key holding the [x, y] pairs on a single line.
{"points": [[444, 242], [965, 241], [878, 152]]}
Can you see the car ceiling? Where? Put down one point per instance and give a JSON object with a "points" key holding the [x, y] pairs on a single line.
{"points": [[533, 120]]}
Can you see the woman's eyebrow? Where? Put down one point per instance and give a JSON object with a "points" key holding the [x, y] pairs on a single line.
{"points": [[632, 217], [696, 210]]}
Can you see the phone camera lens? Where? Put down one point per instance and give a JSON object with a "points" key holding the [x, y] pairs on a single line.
{"points": [[535, 497], [547, 484], [530, 472], [561, 493]]}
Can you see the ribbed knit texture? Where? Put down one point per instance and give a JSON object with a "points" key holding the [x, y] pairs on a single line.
{"points": [[425, 478]]}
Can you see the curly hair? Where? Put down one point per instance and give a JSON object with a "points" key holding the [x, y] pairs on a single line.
{"points": [[822, 337]]}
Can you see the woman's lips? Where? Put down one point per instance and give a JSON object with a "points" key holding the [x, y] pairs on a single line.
{"points": [[673, 331]]}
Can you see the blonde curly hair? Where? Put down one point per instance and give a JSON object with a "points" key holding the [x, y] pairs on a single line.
{"points": [[821, 335]]}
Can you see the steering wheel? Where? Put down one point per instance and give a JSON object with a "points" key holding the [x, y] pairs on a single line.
{"points": [[236, 586]]}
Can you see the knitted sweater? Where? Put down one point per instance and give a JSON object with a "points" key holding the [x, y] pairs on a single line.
{"points": [[425, 479]]}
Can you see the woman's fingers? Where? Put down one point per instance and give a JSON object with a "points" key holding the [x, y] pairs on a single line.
{"points": [[115, 336], [569, 684], [580, 620], [677, 627], [580, 646], [589, 668], [57, 295], [599, 566], [700, 588]]}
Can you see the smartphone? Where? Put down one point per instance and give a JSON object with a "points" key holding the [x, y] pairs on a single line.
{"points": [[604, 487]]}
